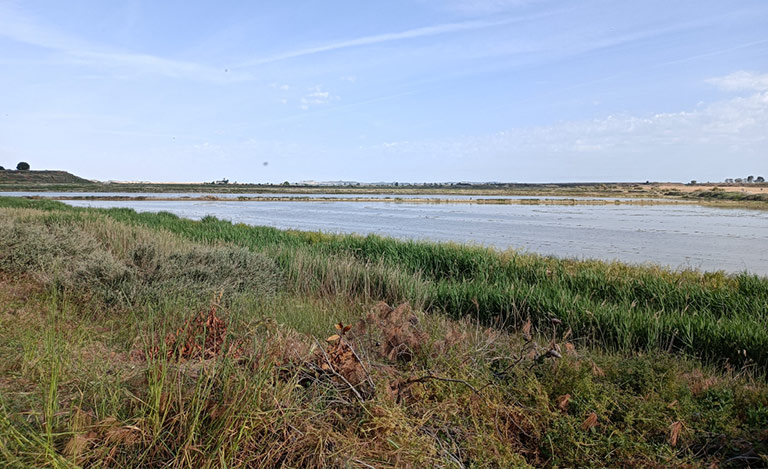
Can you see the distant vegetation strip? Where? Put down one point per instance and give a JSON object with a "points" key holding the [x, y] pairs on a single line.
{"points": [[410, 200], [712, 315], [37, 182], [720, 194]]}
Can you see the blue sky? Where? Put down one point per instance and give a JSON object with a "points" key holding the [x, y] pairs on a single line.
{"points": [[478, 90]]}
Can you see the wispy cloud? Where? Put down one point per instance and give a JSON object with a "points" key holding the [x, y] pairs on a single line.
{"points": [[742, 80], [17, 26], [484, 7], [712, 53], [425, 31], [317, 96]]}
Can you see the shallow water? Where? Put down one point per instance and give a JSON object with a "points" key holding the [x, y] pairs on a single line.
{"points": [[678, 236]]}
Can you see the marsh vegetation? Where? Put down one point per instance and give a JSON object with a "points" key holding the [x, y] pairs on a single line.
{"points": [[139, 339]]}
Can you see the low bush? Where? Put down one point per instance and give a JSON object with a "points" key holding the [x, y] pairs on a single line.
{"points": [[118, 264]]}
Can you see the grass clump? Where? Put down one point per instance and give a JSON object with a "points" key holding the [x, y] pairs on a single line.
{"points": [[122, 265]]}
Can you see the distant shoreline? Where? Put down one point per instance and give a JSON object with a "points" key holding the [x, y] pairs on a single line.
{"points": [[415, 200], [726, 195], [721, 200]]}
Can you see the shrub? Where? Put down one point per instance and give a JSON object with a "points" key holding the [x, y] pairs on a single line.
{"points": [[127, 265]]}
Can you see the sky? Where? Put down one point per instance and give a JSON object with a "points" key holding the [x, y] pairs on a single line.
{"points": [[409, 91]]}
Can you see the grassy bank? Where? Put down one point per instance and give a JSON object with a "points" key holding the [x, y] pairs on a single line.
{"points": [[28, 178], [131, 340]]}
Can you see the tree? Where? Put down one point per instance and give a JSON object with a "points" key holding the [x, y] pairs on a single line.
{"points": [[286, 183], [693, 182], [750, 178], [759, 179], [22, 166], [2, 169]]}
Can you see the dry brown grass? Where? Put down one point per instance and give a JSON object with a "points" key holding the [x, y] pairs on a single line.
{"points": [[201, 337], [688, 188]]}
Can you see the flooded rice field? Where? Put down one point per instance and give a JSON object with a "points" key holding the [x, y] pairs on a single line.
{"points": [[678, 236]]}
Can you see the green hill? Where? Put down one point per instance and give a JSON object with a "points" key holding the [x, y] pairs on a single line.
{"points": [[26, 178]]}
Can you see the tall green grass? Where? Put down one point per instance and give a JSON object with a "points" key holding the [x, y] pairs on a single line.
{"points": [[712, 315]]}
